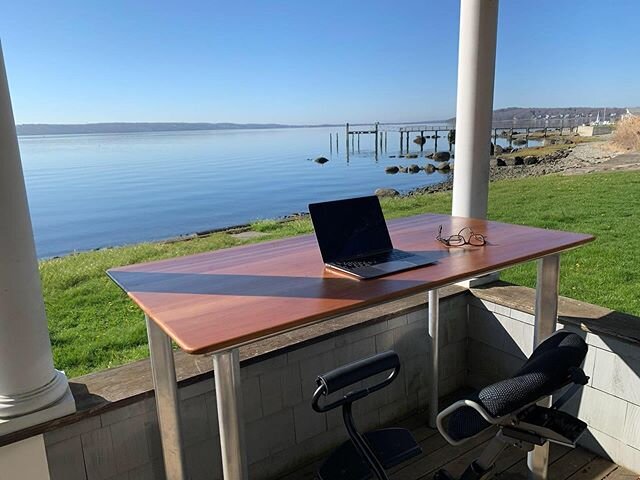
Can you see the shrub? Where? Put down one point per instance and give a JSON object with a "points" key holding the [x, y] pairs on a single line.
{"points": [[627, 133]]}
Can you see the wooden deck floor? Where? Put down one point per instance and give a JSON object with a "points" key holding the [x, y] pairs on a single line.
{"points": [[565, 463]]}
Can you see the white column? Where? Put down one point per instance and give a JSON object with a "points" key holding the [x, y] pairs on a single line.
{"points": [[28, 381], [476, 70]]}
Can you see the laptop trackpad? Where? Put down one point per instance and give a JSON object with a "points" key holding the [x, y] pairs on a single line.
{"points": [[394, 266]]}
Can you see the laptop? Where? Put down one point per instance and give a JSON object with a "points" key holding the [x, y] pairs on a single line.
{"points": [[354, 239]]}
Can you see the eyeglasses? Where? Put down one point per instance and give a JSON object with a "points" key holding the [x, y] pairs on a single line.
{"points": [[466, 236]]}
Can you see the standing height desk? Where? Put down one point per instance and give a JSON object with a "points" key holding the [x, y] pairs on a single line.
{"points": [[217, 301]]}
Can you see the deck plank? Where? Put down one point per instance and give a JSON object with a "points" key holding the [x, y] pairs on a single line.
{"points": [[596, 469], [564, 463]]}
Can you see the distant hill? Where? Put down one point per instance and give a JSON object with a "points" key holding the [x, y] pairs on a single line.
{"points": [[528, 113], [124, 127]]}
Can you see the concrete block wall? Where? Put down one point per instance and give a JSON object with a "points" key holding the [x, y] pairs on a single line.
{"points": [[500, 339], [282, 430]]}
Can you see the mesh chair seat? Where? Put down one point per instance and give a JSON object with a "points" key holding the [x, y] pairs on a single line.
{"points": [[547, 370]]}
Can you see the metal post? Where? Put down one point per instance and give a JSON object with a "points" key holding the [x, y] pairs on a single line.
{"points": [[226, 367], [434, 330], [330, 143], [346, 136], [400, 141], [167, 404], [474, 109], [546, 316]]}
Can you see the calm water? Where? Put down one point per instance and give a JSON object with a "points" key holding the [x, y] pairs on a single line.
{"points": [[91, 191]]}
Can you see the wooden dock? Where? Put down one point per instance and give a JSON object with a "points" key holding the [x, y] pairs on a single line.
{"points": [[499, 129]]}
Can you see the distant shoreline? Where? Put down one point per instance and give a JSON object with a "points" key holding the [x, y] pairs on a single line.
{"points": [[33, 129]]}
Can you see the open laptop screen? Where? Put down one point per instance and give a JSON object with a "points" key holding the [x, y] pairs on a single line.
{"points": [[350, 228]]}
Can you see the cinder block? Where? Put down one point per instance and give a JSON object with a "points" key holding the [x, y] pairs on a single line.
{"points": [[308, 423], [74, 430], [522, 316], [212, 413], [311, 350], [630, 458], [451, 384], [617, 376], [66, 461], [632, 426], [99, 460], [311, 367], [196, 389], [251, 399], [203, 461], [292, 385], [396, 322], [420, 316], [502, 310], [452, 360], [129, 444], [195, 421], [266, 366], [601, 411], [271, 391], [355, 351], [122, 413], [384, 341], [484, 327], [145, 472], [519, 336], [152, 434]]}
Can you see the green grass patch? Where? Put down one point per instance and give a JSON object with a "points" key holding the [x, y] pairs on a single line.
{"points": [[94, 325]]}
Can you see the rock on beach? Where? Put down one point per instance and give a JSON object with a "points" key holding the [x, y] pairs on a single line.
{"points": [[386, 192]]}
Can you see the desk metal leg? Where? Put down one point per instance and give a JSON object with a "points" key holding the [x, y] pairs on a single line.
{"points": [[434, 331], [167, 402], [226, 367], [546, 316]]}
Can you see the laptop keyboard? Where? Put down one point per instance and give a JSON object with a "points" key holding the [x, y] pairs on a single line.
{"points": [[374, 259]]}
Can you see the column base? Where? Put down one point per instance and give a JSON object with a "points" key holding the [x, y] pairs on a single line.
{"points": [[63, 407]]}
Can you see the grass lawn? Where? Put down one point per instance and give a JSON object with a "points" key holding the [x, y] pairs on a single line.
{"points": [[94, 325]]}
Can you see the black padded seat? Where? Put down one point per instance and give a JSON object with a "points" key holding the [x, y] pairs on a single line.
{"points": [[547, 370]]}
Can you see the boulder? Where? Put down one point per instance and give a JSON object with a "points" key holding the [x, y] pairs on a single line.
{"points": [[386, 192], [441, 156], [392, 169], [530, 160], [512, 161], [429, 155], [419, 140], [413, 168], [498, 149], [500, 162], [519, 141], [403, 169], [321, 160], [443, 167], [429, 168], [411, 155]]}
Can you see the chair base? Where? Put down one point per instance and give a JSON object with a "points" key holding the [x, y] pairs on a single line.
{"points": [[391, 446]]}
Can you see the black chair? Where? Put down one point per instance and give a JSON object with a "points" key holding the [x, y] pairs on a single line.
{"points": [[369, 454], [511, 406]]}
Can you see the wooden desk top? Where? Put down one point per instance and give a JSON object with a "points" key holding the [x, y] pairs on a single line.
{"points": [[213, 301]]}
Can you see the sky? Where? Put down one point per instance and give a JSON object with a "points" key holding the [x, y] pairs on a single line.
{"points": [[301, 62]]}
